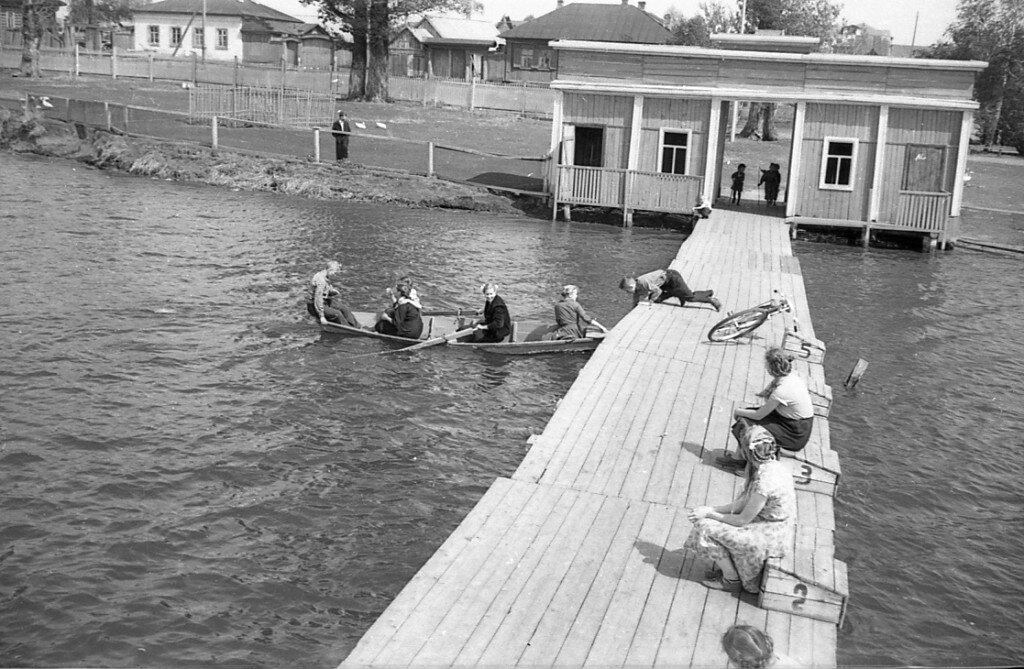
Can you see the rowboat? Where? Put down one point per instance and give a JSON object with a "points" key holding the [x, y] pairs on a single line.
{"points": [[527, 338], [435, 324]]}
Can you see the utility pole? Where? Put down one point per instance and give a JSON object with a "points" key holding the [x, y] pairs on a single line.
{"points": [[204, 30], [913, 39]]}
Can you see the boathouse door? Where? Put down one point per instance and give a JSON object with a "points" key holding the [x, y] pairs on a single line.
{"points": [[924, 168], [589, 147], [587, 152]]}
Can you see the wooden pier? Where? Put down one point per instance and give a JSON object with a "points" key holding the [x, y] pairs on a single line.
{"points": [[576, 559]]}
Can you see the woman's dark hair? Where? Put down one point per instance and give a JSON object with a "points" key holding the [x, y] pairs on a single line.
{"points": [[404, 289], [748, 647]]}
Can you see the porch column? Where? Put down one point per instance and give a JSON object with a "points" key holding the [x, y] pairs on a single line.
{"points": [[711, 160], [633, 161], [966, 126], [793, 185], [552, 176], [881, 137]]}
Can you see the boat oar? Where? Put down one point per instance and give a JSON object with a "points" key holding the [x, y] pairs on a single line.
{"points": [[434, 342]]}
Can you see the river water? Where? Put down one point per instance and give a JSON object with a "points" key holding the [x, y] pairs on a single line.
{"points": [[192, 474]]}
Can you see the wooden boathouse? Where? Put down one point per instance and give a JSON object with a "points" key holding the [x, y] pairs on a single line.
{"points": [[577, 559], [877, 143]]}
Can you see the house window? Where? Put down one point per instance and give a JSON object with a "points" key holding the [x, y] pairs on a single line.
{"points": [[197, 38], [838, 162], [222, 38], [532, 59], [12, 20], [675, 152], [154, 35], [175, 35]]}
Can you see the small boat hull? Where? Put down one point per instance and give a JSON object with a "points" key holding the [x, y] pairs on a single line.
{"points": [[533, 342], [433, 326]]}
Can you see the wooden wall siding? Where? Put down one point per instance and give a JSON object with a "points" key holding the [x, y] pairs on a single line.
{"points": [[679, 114], [846, 78], [915, 126], [581, 64], [826, 120], [932, 83], [596, 109], [668, 70], [616, 147], [924, 126], [824, 203]]}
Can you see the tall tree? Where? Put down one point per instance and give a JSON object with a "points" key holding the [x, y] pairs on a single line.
{"points": [[697, 30], [807, 18], [993, 31], [37, 16], [371, 23]]}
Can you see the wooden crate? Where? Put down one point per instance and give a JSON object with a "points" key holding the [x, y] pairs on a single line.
{"points": [[791, 586], [804, 348]]}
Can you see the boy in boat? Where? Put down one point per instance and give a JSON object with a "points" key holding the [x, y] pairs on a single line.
{"points": [[496, 323], [661, 284], [323, 299]]}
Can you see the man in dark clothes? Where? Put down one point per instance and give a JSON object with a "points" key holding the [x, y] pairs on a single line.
{"points": [[661, 284], [341, 130], [496, 323]]}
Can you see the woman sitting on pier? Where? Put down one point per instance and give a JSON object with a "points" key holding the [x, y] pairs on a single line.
{"points": [[787, 412], [740, 536]]}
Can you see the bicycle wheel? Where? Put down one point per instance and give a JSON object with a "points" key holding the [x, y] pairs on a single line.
{"points": [[737, 325]]}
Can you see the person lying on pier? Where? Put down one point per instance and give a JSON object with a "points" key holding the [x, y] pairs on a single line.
{"points": [[570, 317], [402, 320], [787, 412], [750, 648], [740, 536], [323, 300], [661, 284], [496, 323]]}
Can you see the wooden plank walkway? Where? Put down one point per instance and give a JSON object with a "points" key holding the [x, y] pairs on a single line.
{"points": [[577, 558]]}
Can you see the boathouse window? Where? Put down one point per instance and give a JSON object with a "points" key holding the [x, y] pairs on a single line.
{"points": [[222, 38], [175, 35], [154, 35], [837, 163], [197, 38], [675, 152]]}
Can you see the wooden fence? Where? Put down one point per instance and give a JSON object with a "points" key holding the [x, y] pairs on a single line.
{"points": [[927, 212]]}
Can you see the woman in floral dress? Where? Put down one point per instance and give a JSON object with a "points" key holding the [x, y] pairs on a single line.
{"points": [[738, 537]]}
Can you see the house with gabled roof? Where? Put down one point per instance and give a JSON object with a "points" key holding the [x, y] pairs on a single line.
{"points": [[530, 58], [242, 29], [444, 47]]}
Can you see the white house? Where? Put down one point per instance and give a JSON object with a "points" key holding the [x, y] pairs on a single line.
{"points": [[183, 27]]}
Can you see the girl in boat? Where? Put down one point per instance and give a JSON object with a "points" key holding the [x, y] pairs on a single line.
{"points": [[403, 319], [787, 412], [740, 536], [571, 319]]}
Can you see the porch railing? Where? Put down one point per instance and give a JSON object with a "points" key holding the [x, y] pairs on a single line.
{"points": [[927, 212], [627, 189]]}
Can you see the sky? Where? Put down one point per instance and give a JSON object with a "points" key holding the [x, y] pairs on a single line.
{"points": [[896, 16]]}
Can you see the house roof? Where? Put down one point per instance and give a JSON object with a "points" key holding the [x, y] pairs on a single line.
{"points": [[444, 30], [595, 23], [246, 8]]}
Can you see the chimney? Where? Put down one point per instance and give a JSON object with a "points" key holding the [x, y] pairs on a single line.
{"points": [[625, 2], [642, 5], [560, 3]]}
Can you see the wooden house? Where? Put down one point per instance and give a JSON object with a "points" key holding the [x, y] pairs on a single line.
{"points": [[442, 47], [877, 142], [530, 58], [240, 29]]}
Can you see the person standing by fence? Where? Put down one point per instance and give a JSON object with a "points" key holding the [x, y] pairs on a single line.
{"points": [[341, 130]]}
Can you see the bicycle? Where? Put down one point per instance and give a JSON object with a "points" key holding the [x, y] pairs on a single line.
{"points": [[746, 321]]}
